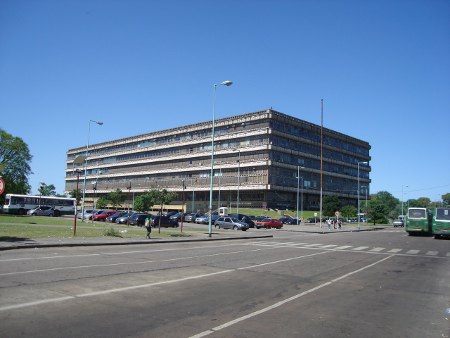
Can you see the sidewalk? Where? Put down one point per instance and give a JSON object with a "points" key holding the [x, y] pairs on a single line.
{"points": [[29, 243]]}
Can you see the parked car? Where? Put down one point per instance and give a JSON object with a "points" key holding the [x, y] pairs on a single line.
{"points": [[112, 218], [89, 216], [284, 219], [269, 223], [226, 222], [166, 221], [44, 210], [124, 218], [205, 219], [138, 219], [243, 218], [102, 215], [86, 211], [398, 223], [178, 216], [293, 221], [191, 217]]}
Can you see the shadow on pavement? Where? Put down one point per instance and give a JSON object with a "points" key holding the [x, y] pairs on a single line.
{"points": [[14, 239]]}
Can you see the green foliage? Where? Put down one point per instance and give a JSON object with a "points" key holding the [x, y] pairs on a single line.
{"points": [[111, 232], [378, 210], [116, 198], [102, 202], [144, 202], [446, 199], [348, 211], [47, 190], [15, 161], [76, 194], [330, 205]]}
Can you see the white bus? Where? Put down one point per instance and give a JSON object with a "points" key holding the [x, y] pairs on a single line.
{"points": [[20, 204]]}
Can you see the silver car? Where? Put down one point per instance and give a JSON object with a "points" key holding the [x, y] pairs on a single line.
{"points": [[230, 223], [44, 210]]}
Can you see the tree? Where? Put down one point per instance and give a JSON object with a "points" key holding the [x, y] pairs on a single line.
{"points": [[391, 204], [102, 202], [144, 202], [77, 194], [348, 211], [377, 211], [330, 205], [15, 161], [47, 190], [162, 197], [116, 198], [446, 199], [424, 202]]}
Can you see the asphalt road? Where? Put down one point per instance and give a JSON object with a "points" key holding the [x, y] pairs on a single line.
{"points": [[360, 284]]}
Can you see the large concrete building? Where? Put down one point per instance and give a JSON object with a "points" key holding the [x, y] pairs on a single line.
{"points": [[257, 158]]}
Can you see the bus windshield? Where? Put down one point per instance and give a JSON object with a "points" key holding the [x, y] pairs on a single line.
{"points": [[417, 213], [443, 214]]}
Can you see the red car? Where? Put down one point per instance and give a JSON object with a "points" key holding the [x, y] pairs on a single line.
{"points": [[269, 223], [102, 216]]}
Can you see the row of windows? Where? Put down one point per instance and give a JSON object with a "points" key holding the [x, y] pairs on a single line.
{"points": [[313, 135], [315, 164], [313, 150]]}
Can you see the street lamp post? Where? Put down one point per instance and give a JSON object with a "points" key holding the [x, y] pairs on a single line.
{"points": [[193, 196], [94, 187], [85, 166], [225, 83], [77, 161], [239, 181], [321, 163], [78, 171], [220, 188], [298, 189], [363, 162]]}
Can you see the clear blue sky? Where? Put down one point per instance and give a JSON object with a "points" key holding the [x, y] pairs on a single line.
{"points": [[382, 68]]}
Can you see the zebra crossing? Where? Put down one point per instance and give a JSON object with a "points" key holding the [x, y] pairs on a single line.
{"points": [[335, 247]]}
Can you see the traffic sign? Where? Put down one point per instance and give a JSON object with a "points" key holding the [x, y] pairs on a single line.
{"points": [[2, 186]]}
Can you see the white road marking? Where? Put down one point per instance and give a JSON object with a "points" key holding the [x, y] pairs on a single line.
{"points": [[285, 301], [361, 248], [329, 246], [127, 263], [413, 252], [134, 287], [119, 253], [343, 247], [395, 250], [432, 253], [448, 254], [376, 249]]}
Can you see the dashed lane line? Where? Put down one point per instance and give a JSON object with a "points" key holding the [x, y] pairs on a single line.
{"points": [[359, 248], [285, 301], [376, 249]]}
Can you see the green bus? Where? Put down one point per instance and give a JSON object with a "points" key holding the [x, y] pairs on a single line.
{"points": [[440, 222], [418, 221]]}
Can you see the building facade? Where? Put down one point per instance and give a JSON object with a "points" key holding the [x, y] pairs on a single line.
{"points": [[263, 159]]}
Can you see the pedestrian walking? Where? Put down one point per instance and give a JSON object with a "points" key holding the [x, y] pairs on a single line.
{"points": [[329, 224], [148, 225]]}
